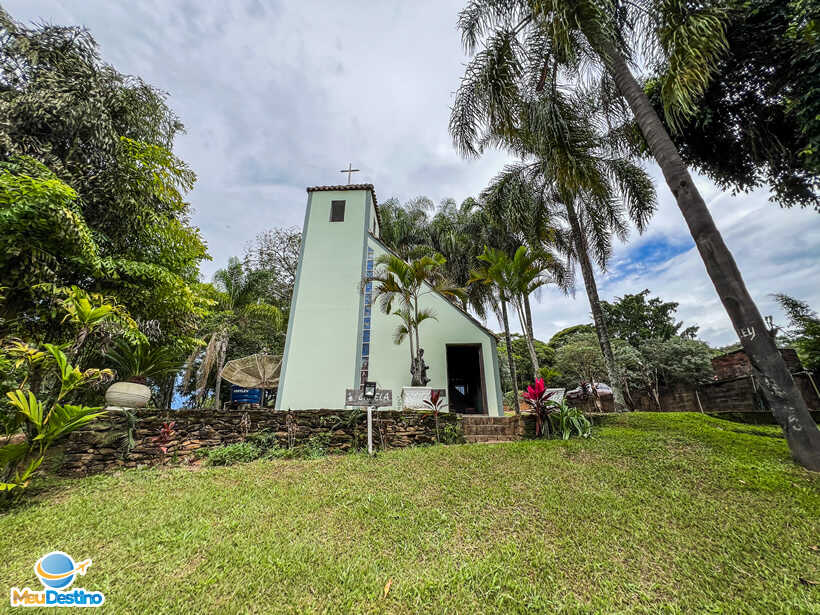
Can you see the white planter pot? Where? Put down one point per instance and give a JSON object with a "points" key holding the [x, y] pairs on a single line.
{"points": [[128, 395], [412, 398]]}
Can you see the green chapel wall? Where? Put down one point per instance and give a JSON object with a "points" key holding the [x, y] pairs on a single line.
{"points": [[390, 363], [321, 350], [323, 347]]}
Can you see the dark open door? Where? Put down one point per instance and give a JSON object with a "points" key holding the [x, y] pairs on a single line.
{"points": [[465, 379]]}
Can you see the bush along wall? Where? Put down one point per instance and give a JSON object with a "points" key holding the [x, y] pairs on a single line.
{"points": [[147, 437]]}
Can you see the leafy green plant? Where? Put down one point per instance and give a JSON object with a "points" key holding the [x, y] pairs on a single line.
{"points": [[567, 420], [230, 454], [278, 452], [263, 439], [451, 434], [436, 403], [163, 439], [141, 361], [43, 423], [316, 446]]}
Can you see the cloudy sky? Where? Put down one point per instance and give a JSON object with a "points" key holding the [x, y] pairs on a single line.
{"points": [[277, 96]]}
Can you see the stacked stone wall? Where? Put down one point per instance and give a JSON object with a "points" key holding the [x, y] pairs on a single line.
{"points": [[101, 445]]}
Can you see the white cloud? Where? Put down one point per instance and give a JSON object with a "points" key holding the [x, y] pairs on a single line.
{"points": [[278, 96]]}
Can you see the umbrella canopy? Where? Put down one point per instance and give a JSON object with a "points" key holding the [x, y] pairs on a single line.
{"points": [[257, 371]]}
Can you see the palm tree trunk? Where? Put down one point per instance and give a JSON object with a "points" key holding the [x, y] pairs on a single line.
{"points": [[417, 377], [530, 346], [528, 314], [412, 354], [777, 386], [508, 341], [595, 305]]}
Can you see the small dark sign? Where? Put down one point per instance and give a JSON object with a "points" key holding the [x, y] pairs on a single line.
{"points": [[242, 395], [355, 397]]}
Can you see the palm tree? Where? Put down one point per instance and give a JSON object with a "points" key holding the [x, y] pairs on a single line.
{"points": [[529, 44], [239, 292], [405, 227], [592, 215], [401, 285], [492, 273], [517, 278], [573, 173], [456, 232]]}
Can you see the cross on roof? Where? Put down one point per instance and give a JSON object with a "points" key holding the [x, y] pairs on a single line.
{"points": [[350, 171]]}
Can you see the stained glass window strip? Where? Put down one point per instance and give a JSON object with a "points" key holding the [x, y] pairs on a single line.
{"points": [[368, 301]]}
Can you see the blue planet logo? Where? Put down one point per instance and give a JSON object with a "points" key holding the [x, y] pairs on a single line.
{"points": [[56, 570]]}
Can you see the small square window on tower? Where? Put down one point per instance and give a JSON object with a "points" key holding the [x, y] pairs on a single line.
{"points": [[337, 211]]}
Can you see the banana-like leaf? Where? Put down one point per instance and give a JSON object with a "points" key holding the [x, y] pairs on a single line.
{"points": [[64, 419], [23, 478], [24, 353], [70, 376], [12, 452], [27, 405]]}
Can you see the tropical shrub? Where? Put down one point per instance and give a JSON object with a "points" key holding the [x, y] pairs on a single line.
{"points": [[315, 448], [142, 361], [567, 420], [436, 403], [537, 398], [43, 422], [451, 434], [227, 455], [163, 439]]}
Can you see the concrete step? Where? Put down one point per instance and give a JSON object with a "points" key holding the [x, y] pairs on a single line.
{"points": [[468, 419], [503, 430], [489, 439]]}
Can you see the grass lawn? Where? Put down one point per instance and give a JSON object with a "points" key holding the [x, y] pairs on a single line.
{"points": [[657, 513]]}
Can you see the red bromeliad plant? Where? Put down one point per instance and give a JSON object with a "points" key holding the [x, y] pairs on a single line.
{"points": [[436, 404], [166, 434], [537, 398]]}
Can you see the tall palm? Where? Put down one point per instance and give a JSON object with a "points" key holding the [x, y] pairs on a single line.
{"points": [[238, 298], [492, 273], [529, 44], [405, 228], [507, 226], [456, 232], [518, 277], [399, 287], [504, 229], [573, 173]]}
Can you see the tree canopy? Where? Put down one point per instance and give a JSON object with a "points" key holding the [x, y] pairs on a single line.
{"points": [[90, 192], [803, 332], [762, 104], [635, 319]]}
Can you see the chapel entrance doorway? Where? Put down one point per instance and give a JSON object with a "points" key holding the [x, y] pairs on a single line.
{"points": [[465, 379]]}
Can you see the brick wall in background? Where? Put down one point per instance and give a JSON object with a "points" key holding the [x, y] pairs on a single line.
{"points": [[736, 364]]}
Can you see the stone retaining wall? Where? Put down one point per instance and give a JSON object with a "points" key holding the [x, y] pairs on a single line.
{"points": [[99, 446]]}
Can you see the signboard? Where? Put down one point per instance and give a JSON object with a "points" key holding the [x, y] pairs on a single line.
{"points": [[355, 397], [244, 395]]}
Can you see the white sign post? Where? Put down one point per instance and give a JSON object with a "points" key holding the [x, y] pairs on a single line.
{"points": [[370, 430], [375, 399]]}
